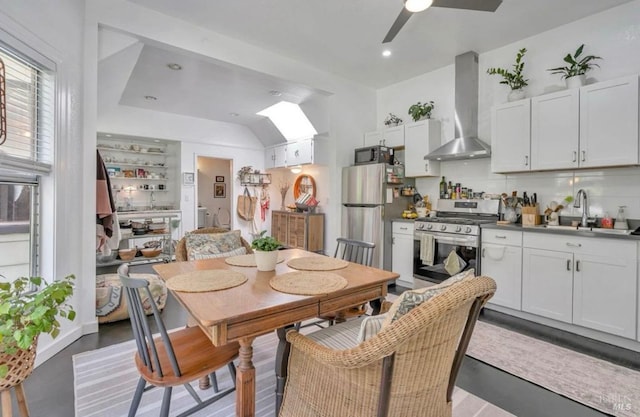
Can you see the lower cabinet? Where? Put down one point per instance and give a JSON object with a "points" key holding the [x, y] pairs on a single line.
{"points": [[299, 230], [503, 263], [402, 253]]}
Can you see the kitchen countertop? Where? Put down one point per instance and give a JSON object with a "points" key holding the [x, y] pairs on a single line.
{"points": [[148, 213], [566, 232], [401, 220]]}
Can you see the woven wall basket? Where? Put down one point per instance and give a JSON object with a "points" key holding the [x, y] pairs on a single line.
{"points": [[20, 366]]}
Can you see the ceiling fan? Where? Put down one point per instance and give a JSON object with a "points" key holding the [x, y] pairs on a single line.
{"points": [[414, 6]]}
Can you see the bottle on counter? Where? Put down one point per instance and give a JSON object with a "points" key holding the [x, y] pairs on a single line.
{"points": [[450, 190], [443, 188]]}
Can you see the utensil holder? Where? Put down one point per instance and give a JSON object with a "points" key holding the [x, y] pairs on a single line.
{"points": [[530, 216]]}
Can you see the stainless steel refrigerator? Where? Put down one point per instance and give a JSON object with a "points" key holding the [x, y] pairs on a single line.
{"points": [[369, 205]]}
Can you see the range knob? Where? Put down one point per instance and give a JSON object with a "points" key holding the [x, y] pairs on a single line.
{"points": [[443, 227], [467, 229], [429, 226], [419, 226], [458, 229]]}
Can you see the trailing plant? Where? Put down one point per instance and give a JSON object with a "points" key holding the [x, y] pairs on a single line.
{"points": [[392, 119], [514, 79], [421, 109], [577, 65], [25, 314], [265, 243]]}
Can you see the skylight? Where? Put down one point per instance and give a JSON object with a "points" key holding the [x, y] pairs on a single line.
{"points": [[290, 121]]}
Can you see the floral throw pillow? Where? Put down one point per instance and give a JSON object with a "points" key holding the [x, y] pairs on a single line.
{"points": [[409, 300], [199, 245]]}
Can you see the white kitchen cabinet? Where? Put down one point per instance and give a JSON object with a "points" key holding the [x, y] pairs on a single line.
{"points": [[588, 282], [275, 156], [420, 138], [402, 252], [609, 123], [547, 283], [503, 262], [392, 137], [511, 136], [555, 130], [300, 153]]}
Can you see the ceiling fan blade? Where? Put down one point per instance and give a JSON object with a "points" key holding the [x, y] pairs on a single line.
{"points": [[397, 25], [480, 5]]}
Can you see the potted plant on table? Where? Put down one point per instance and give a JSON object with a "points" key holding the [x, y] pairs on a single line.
{"points": [[574, 73], [514, 79], [421, 110], [26, 313], [266, 251]]}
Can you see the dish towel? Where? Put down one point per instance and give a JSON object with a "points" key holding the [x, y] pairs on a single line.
{"points": [[427, 248], [454, 263]]}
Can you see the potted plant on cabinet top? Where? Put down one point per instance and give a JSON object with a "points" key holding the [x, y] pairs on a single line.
{"points": [[392, 120], [514, 79], [266, 251], [421, 110], [574, 73], [24, 315]]}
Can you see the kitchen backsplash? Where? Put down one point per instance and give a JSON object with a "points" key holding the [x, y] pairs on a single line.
{"points": [[606, 188]]}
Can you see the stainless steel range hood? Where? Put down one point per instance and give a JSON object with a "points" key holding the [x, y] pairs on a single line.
{"points": [[466, 144]]}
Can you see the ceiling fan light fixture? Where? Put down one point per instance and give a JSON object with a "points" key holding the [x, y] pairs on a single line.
{"points": [[415, 6]]}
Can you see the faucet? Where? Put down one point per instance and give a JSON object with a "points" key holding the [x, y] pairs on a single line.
{"points": [[585, 207]]}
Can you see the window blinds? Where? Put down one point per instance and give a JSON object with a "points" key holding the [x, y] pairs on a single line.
{"points": [[29, 101]]}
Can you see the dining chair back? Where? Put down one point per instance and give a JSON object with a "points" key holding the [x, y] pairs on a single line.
{"points": [[356, 251], [170, 359]]}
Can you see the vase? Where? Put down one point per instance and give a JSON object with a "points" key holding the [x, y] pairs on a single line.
{"points": [[510, 214], [515, 95], [266, 261], [576, 81]]}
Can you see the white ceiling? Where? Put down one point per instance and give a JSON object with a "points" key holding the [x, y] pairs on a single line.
{"points": [[342, 37]]}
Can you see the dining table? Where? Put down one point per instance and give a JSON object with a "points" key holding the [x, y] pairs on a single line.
{"points": [[254, 308]]}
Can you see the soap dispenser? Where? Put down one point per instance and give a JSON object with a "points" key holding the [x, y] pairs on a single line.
{"points": [[621, 219]]}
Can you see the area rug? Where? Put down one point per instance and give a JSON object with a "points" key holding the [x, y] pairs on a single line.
{"points": [[596, 383], [105, 380]]}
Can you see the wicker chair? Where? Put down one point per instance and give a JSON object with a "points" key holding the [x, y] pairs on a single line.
{"points": [[409, 368], [181, 247]]}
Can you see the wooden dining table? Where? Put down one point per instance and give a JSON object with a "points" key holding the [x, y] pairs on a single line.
{"points": [[252, 309]]}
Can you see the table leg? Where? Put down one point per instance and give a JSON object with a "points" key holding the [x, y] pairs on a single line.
{"points": [[246, 380], [282, 362]]}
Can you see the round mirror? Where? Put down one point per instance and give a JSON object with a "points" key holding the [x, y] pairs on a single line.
{"points": [[304, 184]]}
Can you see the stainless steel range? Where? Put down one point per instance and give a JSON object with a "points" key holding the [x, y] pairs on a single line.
{"points": [[455, 231]]}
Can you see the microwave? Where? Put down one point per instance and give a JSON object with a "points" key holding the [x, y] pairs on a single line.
{"points": [[374, 155]]}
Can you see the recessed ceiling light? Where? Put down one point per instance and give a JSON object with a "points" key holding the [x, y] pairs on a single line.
{"points": [[108, 136], [417, 5], [156, 140], [150, 98], [386, 53], [174, 66], [234, 114], [275, 93]]}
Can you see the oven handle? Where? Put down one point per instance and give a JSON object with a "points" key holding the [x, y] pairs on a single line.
{"points": [[450, 240]]}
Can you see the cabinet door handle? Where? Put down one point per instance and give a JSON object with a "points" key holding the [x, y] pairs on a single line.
{"points": [[526, 160], [578, 266], [584, 156], [500, 237], [297, 153], [483, 249], [575, 156], [574, 245], [402, 228], [568, 264]]}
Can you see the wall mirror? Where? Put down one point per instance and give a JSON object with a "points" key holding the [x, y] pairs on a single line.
{"points": [[304, 184]]}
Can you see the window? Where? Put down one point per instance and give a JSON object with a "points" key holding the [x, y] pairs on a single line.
{"points": [[290, 120], [25, 155]]}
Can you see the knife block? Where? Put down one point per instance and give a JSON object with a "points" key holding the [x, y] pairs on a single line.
{"points": [[530, 216]]}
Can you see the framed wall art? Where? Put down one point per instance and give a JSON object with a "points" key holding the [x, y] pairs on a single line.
{"points": [[188, 178], [219, 178], [219, 190]]}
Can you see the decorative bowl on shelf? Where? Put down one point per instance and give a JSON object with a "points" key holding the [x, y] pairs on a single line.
{"points": [[151, 252], [127, 254]]}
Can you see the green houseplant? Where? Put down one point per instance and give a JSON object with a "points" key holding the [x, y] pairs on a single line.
{"points": [[25, 314], [420, 110], [577, 67], [514, 79], [266, 251]]}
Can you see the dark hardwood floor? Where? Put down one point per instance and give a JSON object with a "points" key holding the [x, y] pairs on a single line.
{"points": [[50, 387]]}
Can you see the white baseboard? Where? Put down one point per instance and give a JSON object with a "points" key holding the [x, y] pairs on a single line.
{"points": [[90, 327], [57, 345]]}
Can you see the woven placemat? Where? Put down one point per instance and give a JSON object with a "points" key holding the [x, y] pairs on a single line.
{"points": [[207, 280], [308, 283], [317, 263], [246, 260]]}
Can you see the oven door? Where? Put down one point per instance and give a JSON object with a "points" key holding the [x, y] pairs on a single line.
{"points": [[465, 246]]}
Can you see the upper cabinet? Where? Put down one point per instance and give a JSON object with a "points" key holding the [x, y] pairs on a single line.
{"points": [[392, 137], [420, 138], [308, 151], [511, 136], [594, 126]]}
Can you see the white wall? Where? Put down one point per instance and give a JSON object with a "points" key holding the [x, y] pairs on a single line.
{"points": [[612, 34]]}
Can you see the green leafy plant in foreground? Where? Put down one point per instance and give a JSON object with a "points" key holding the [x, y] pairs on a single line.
{"points": [[25, 314], [265, 243]]}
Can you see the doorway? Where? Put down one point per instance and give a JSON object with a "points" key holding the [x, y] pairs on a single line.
{"points": [[214, 192]]}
